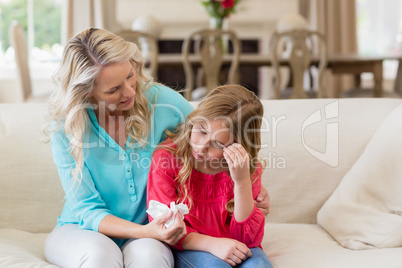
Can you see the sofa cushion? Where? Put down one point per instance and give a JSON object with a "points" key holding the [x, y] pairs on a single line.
{"points": [[365, 211], [308, 245], [22, 249], [31, 196]]}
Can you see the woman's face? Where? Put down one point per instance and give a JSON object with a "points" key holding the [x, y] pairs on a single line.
{"points": [[115, 87]]}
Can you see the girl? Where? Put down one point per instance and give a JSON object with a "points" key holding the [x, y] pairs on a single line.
{"points": [[210, 163]]}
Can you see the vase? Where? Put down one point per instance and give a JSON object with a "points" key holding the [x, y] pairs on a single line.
{"points": [[219, 23]]}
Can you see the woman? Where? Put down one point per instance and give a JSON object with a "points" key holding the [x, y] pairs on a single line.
{"points": [[105, 121]]}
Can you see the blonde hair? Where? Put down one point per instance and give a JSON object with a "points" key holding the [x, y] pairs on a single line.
{"points": [[242, 113], [83, 58]]}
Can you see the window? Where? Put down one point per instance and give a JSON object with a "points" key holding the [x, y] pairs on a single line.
{"points": [[41, 20], [379, 28], [378, 24]]}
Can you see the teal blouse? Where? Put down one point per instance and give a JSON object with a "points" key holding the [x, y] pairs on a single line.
{"points": [[114, 179]]}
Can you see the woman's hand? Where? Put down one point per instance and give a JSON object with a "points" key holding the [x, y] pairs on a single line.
{"points": [[170, 235], [238, 161], [263, 201], [229, 250]]}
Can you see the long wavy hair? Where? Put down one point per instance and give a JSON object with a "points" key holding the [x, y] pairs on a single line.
{"points": [[242, 113], [84, 56]]}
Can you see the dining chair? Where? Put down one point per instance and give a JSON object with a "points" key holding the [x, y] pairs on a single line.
{"points": [[299, 50], [18, 42], [213, 48], [148, 45]]}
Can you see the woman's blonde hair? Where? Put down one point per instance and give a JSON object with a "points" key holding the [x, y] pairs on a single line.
{"points": [[84, 57], [242, 113]]}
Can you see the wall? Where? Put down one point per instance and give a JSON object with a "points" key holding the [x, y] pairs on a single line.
{"points": [[254, 18]]}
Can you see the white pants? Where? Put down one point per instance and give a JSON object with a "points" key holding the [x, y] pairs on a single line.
{"points": [[68, 246]]}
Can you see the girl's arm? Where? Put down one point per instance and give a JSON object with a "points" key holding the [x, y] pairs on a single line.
{"points": [[243, 200], [239, 167], [248, 221], [229, 250]]}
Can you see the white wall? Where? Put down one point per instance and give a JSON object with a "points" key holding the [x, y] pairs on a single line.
{"points": [[253, 19]]}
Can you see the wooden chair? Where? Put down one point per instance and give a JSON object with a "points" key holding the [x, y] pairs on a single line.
{"points": [[210, 46], [299, 55], [18, 42], [148, 46]]}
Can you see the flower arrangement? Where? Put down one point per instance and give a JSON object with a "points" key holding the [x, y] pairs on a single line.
{"points": [[220, 9]]}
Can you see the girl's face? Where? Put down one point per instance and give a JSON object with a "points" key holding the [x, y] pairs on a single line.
{"points": [[207, 140], [115, 87]]}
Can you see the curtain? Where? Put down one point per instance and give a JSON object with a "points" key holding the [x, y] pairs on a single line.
{"points": [[81, 14], [337, 20]]}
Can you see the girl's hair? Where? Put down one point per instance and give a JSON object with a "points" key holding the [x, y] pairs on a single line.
{"points": [[241, 111], [83, 58]]}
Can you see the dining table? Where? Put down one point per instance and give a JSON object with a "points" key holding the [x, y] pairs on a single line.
{"points": [[355, 64]]}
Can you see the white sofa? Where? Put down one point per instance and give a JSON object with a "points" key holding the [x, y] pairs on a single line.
{"points": [[306, 156]]}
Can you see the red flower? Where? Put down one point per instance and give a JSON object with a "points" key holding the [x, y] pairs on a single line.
{"points": [[227, 3]]}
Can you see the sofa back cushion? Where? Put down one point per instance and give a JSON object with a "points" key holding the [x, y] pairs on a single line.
{"points": [[31, 197], [310, 145], [365, 211]]}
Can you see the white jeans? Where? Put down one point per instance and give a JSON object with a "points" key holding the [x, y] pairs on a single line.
{"points": [[68, 246]]}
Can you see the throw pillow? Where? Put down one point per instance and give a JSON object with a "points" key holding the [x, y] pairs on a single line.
{"points": [[365, 211]]}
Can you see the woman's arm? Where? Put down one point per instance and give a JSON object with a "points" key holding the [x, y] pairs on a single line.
{"points": [[162, 185], [263, 201], [115, 227], [87, 207]]}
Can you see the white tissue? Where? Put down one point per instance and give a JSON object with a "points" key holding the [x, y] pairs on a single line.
{"points": [[156, 209]]}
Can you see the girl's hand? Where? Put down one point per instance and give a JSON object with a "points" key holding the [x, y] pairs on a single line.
{"points": [[238, 161], [170, 235], [229, 250]]}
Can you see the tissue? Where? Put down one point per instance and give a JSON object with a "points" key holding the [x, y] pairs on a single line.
{"points": [[156, 209]]}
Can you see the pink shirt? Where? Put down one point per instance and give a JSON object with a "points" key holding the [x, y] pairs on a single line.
{"points": [[209, 193]]}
